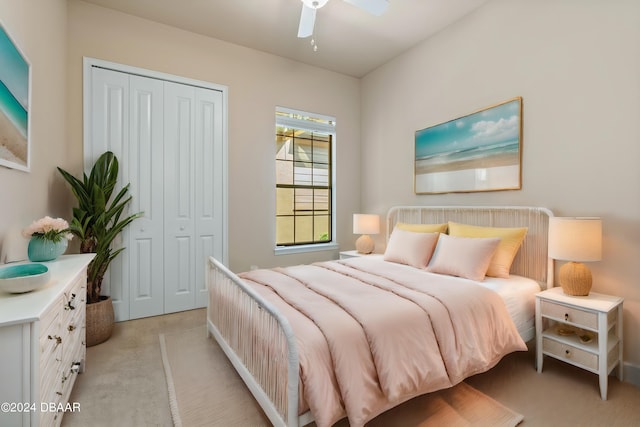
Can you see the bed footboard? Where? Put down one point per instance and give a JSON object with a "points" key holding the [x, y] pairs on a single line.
{"points": [[258, 341]]}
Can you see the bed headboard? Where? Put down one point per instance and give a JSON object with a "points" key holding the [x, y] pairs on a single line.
{"points": [[532, 259]]}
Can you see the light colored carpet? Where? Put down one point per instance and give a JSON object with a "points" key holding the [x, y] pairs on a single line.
{"points": [[207, 391], [206, 387], [460, 406], [124, 384]]}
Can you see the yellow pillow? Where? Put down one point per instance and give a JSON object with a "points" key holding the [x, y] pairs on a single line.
{"points": [[422, 228], [510, 241]]}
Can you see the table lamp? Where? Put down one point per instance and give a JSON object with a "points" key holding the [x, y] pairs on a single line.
{"points": [[365, 225], [576, 240]]}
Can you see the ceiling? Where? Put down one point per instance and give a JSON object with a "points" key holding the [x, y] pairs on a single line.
{"points": [[350, 41]]}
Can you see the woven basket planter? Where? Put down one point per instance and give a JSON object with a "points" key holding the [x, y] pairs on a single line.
{"points": [[99, 321]]}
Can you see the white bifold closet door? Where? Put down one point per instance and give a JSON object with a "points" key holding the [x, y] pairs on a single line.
{"points": [[192, 121], [168, 139]]}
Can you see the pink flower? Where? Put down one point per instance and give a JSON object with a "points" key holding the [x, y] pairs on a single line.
{"points": [[48, 228]]}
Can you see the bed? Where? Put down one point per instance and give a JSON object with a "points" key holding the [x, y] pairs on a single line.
{"points": [[299, 355]]}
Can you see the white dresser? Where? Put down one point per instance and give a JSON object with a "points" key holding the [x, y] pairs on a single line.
{"points": [[42, 345]]}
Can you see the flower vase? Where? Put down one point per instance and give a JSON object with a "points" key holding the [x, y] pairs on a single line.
{"points": [[41, 249]]}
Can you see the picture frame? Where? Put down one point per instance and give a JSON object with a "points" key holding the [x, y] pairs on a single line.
{"points": [[15, 101], [481, 151]]}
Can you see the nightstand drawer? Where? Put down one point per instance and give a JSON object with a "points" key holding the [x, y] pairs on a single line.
{"points": [[570, 353], [586, 319]]}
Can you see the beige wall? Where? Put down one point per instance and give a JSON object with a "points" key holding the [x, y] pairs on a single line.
{"points": [[257, 82], [574, 62], [576, 65], [27, 196]]}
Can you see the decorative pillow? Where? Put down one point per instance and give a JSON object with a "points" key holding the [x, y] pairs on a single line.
{"points": [[407, 247], [510, 241], [423, 228], [463, 256]]}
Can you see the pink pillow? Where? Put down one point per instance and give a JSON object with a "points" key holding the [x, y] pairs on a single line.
{"points": [[411, 248], [510, 241], [467, 257]]}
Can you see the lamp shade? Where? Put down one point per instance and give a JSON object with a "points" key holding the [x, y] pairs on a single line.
{"points": [[366, 224], [575, 239]]}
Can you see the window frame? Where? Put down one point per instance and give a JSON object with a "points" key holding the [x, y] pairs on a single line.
{"points": [[311, 126]]}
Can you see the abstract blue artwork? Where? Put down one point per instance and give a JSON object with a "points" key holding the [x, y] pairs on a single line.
{"points": [[14, 105]]}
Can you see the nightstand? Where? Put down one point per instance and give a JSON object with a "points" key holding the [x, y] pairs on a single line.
{"points": [[350, 254], [583, 331], [354, 254]]}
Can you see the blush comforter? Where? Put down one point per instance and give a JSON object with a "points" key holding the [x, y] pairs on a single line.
{"points": [[373, 334]]}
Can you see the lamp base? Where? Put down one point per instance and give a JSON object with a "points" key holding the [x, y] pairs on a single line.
{"points": [[575, 279], [365, 244]]}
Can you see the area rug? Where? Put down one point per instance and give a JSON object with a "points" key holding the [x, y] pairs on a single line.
{"points": [[205, 390]]}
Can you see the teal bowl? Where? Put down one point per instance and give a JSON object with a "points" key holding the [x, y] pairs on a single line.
{"points": [[18, 279]]}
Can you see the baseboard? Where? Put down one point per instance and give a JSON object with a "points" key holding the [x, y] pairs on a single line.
{"points": [[631, 373]]}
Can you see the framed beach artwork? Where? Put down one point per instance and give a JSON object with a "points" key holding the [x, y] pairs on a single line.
{"points": [[15, 77], [481, 151]]}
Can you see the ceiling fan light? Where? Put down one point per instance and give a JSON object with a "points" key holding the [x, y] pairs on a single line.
{"points": [[374, 7], [314, 4]]}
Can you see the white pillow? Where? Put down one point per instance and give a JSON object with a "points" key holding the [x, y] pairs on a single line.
{"points": [[467, 257], [411, 248]]}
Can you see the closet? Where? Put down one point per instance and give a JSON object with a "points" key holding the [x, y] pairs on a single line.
{"points": [[169, 138]]}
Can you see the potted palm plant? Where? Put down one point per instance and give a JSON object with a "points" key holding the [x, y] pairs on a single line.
{"points": [[97, 220]]}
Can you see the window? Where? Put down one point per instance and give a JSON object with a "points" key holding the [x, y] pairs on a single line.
{"points": [[304, 179]]}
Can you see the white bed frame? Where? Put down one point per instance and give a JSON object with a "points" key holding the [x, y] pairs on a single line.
{"points": [[259, 341]]}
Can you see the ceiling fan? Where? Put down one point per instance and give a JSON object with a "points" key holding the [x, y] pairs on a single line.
{"points": [[309, 7]]}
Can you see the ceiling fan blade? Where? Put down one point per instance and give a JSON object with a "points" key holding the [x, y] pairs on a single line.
{"points": [[374, 7], [307, 21]]}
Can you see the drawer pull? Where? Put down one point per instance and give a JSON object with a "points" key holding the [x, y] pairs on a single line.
{"points": [[75, 367], [566, 317], [71, 328], [55, 337], [567, 353], [69, 305]]}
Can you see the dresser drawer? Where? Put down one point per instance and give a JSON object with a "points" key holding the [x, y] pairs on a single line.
{"points": [[586, 319], [73, 301], [44, 336], [570, 353], [73, 347], [48, 418], [51, 342], [73, 322], [50, 390], [69, 376], [50, 337]]}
